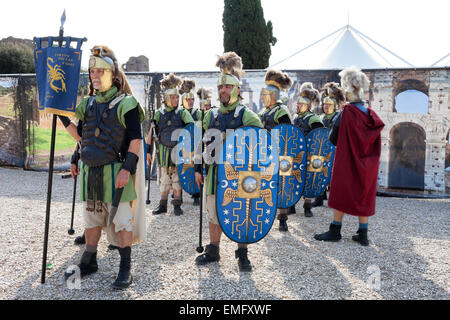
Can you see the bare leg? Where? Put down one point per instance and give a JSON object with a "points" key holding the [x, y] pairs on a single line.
{"points": [[165, 195], [363, 219], [338, 215], [215, 233], [93, 236], [125, 238], [176, 194]]}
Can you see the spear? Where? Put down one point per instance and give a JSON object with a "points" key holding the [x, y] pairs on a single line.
{"points": [[60, 40]]}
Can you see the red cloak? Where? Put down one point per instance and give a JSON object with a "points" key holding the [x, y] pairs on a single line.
{"points": [[353, 185]]}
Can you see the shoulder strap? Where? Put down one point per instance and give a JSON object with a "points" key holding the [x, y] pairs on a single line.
{"points": [[215, 112], [117, 100], [238, 110]]}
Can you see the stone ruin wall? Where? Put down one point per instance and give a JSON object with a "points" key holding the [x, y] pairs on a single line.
{"points": [[435, 83]]}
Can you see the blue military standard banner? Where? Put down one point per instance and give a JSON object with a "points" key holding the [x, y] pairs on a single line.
{"points": [[185, 157], [319, 163], [291, 145], [57, 76], [247, 177]]}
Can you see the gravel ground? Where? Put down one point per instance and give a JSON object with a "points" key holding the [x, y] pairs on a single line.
{"points": [[409, 255]]}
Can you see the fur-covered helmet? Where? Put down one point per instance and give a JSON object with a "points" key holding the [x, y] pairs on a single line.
{"points": [[230, 65], [204, 95], [171, 82], [275, 81], [170, 86], [104, 58], [186, 91], [332, 95], [308, 94], [354, 82]]}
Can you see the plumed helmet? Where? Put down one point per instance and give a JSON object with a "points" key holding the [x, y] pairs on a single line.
{"points": [[308, 94], [103, 57], [354, 82]]}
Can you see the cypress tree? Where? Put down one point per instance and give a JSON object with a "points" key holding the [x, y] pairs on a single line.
{"points": [[247, 33]]}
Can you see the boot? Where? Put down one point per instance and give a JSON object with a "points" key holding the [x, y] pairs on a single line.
{"points": [[243, 262], [113, 247], [162, 208], [88, 265], [282, 217], [283, 226], [308, 212], [177, 210], [333, 235], [361, 237], [318, 202], [196, 200], [211, 255], [80, 239], [124, 278], [291, 210], [177, 207]]}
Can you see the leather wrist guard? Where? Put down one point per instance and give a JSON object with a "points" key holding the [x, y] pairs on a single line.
{"points": [[75, 157], [65, 121], [130, 163]]}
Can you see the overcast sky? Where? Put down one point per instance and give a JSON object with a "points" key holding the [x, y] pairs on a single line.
{"points": [[182, 35]]}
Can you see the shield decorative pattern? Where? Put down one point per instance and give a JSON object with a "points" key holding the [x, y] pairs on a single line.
{"points": [[185, 161], [292, 152], [319, 162], [247, 179]]}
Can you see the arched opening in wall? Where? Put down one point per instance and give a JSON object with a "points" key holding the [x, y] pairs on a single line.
{"points": [[407, 156], [411, 101]]}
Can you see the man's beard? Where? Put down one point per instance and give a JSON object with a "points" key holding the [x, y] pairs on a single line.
{"points": [[227, 97]]}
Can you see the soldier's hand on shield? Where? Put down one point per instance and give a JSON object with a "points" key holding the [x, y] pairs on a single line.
{"points": [[199, 179], [74, 170], [122, 178]]}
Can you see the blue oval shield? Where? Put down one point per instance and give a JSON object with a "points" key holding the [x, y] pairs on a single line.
{"points": [[185, 157], [292, 152], [247, 179], [319, 162]]}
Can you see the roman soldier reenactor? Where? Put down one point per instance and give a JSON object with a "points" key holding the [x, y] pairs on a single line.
{"points": [[307, 121], [112, 166], [356, 133], [204, 95], [231, 114], [275, 112], [332, 97], [168, 119], [188, 100]]}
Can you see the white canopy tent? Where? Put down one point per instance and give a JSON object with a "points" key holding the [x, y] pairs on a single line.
{"points": [[443, 62], [343, 48]]}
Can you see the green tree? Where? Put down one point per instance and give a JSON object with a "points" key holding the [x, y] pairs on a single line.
{"points": [[247, 33], [16, 59]]}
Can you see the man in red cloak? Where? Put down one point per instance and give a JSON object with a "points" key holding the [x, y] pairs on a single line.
{"points": [[357, 136]]}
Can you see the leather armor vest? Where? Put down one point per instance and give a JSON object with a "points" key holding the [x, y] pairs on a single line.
{"points": [[103, 137], [193, 113], [268, 118], [168, 123], [328, 123], [302, 124], [224, 121]]}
